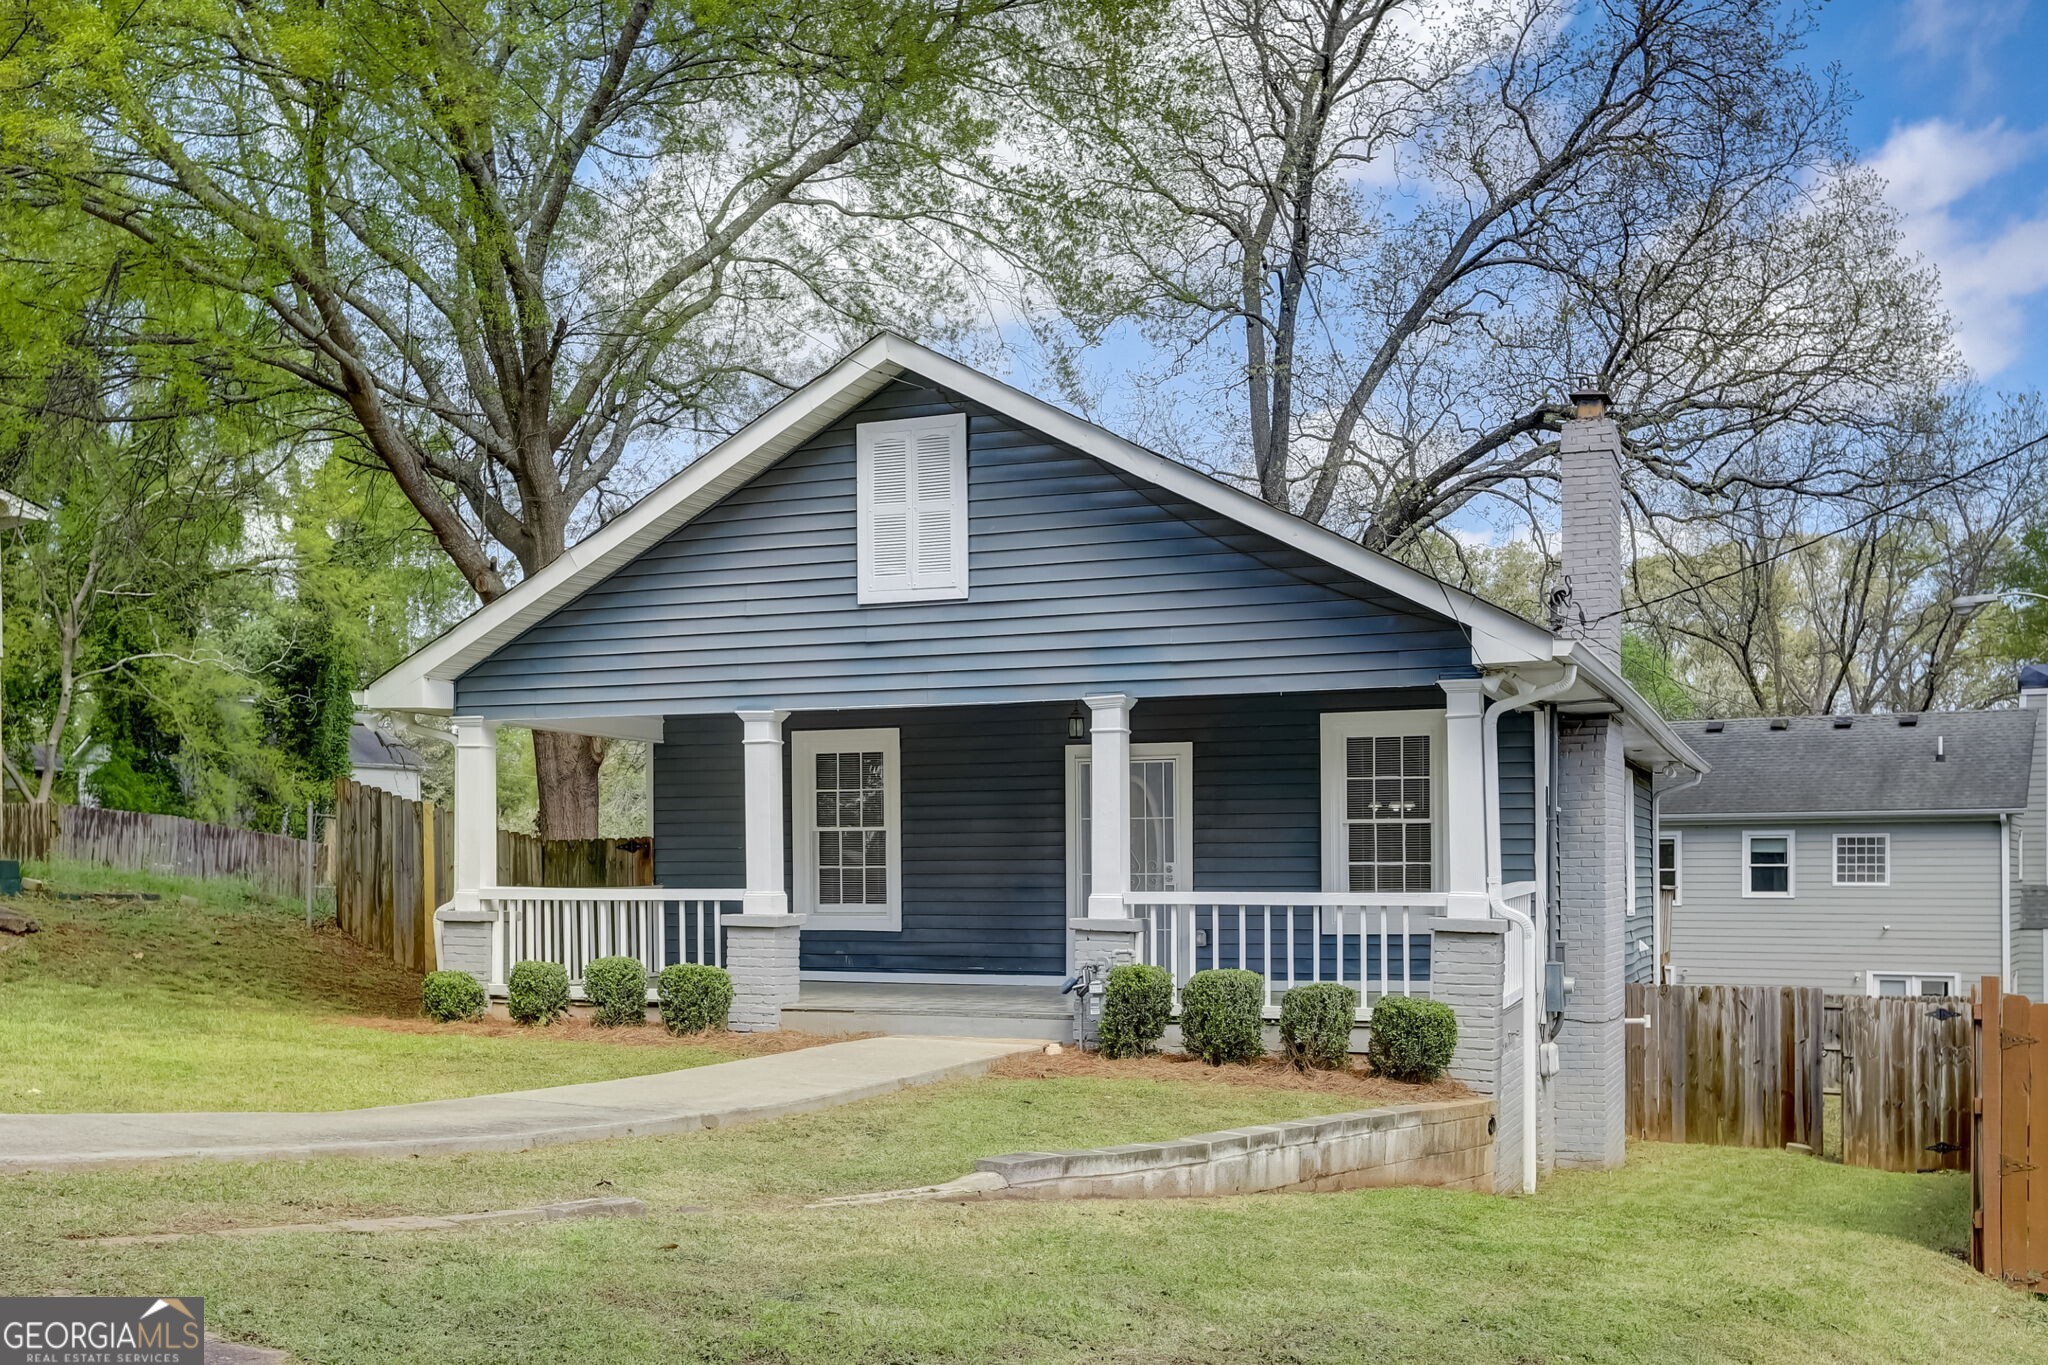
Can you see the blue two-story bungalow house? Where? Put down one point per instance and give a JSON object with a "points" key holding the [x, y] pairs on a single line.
{"points": [[953, 694]]}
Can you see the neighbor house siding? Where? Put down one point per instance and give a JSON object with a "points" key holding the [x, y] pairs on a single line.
{"points": [[1639, 950], [1081, 580], [984, 817], [1940, 913]]}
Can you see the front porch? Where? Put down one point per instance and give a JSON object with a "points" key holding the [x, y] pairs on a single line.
{"points": [[933, 870]]}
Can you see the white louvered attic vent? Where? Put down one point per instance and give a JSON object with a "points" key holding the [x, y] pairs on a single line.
{"points": [[912, 507]]}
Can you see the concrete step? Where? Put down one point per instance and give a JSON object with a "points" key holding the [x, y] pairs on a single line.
{"points": [[925, 1023]]}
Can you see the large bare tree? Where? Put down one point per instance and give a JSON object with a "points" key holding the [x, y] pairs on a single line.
{"points": [[1376, 239], [524, 250]]}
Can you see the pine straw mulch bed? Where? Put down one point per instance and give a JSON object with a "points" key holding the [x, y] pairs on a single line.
{"points": [[580, 1030], [1268, 1073]]}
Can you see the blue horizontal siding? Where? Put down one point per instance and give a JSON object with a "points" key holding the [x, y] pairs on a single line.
{"points": [[1516, 755], [984, 823], [1081, 580]]}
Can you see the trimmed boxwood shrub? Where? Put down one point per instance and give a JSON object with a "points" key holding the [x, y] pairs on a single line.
{"points": [[617, 990], [1220, 1015], [1315, 1025], [1137, 1002], [1411, 1039], [451, 996], [538, 992], [693, 997]]}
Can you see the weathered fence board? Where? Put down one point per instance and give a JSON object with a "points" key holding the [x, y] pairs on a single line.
{"points": [[1907, 1078], [393, 868], [1733, 1066], [171, 845], [2009, 1188]]}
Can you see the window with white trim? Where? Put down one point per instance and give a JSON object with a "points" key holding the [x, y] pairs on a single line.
{"points": [[1930, 985], [1381, 776], [1667, 867], [1863, 860], [1767, 863], [911, 504], [849, 849]]}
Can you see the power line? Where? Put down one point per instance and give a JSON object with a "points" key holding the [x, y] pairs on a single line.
{"points": [[1872, 515]]}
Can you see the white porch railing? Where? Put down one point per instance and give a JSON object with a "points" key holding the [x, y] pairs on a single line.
{"points": [[1373, 944], [1522, 896], [575, 926]]}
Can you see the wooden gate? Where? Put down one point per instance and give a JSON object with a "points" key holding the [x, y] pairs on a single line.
{"points": [[1908, 1069], [2009, 1234], [1735, 1066]]}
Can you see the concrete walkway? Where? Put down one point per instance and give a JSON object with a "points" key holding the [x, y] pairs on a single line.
{"points": [[672, 1102]]}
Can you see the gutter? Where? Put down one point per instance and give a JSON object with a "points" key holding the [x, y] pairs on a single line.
{"points": [[1596, 671], [1531, 953]]}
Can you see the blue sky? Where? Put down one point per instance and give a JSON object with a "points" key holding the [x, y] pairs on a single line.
{"points": [[1954, 113]]}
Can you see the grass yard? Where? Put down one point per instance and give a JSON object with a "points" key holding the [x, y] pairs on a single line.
{"points": [[1691, 1254], [214, 998]]}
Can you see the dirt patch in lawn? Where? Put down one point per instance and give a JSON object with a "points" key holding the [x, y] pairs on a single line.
{"points": [[1270, 1073], [576, 1030]]}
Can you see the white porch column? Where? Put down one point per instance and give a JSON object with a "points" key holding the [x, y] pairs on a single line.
{"points": [[761, 733], [762, 942], [1109, 804], [476, 803], [1464, 797], [467, 937]]}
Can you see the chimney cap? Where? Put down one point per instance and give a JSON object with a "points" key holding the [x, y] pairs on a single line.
{"points": [[1589, 397]]}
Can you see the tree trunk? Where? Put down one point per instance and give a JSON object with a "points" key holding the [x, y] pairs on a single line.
{"points": [[565, 769]]}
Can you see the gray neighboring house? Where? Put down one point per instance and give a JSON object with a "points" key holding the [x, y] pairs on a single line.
{"points": [[1879, 855], [954, 695], [377, 760]]}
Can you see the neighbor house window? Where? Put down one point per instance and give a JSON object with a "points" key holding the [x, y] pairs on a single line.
{"points": [[1767, 863], [1929, 984], [846, 806], [1863, 860], [1381, 773], [911, 505], [1667, 867]]}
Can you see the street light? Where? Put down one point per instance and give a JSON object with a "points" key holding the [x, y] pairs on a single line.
{"points": [[13, 512], [1975, 600]]}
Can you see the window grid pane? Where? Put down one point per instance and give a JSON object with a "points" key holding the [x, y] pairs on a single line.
{"points": [[1862, 859], [853, 839], [1387, 813], [1770, 867]]}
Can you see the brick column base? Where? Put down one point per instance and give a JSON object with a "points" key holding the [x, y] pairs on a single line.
{"points": [[761, 954], [1102, 944], [1468, 965]]}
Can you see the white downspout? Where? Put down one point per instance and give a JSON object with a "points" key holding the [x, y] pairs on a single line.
{"points": [[2005, 902], [1531, 961], [1659, 929]]}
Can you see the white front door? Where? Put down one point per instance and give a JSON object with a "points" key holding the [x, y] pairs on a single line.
{"points": [[1162, 821]]}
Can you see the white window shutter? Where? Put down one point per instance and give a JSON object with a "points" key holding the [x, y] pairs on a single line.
{"points": [[912, 508]]}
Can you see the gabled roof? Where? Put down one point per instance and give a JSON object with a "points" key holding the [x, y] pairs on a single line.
{"points": [[1933, 763], [425, 681]]}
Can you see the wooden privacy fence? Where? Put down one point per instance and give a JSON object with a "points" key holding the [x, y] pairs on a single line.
{"points": [[2009, 1188], [394, 865], [1734, 1066], [1907, 1077], [171, 845]]}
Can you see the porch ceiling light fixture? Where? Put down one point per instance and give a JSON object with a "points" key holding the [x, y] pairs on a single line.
{"points": [[1077, 723]]}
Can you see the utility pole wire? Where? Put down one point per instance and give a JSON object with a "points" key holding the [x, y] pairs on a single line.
{"points": [[1990, 462]]}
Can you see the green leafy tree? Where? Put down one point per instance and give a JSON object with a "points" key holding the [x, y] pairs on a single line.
{"points": [[508, 244]]}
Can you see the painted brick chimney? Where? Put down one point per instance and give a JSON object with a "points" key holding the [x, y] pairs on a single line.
{"points": [[1589, 462]]}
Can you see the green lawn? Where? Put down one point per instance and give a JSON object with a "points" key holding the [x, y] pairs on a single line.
{"points": [[1691, 1254], [216, 998]]}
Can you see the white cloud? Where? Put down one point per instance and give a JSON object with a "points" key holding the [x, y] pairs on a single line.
{"points": [[1990, 270], [1965, 32]]}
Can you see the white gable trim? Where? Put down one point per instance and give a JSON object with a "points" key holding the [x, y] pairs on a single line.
{"points": [[425, 680]]}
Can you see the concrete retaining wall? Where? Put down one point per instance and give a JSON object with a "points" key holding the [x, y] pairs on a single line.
{"points": [[1448, 1144]]}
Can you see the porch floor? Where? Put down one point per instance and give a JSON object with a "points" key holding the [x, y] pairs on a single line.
{"points": [[932, 1009]]}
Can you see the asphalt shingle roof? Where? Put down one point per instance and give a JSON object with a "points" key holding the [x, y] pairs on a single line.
{"points": [[1875, 764]]}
